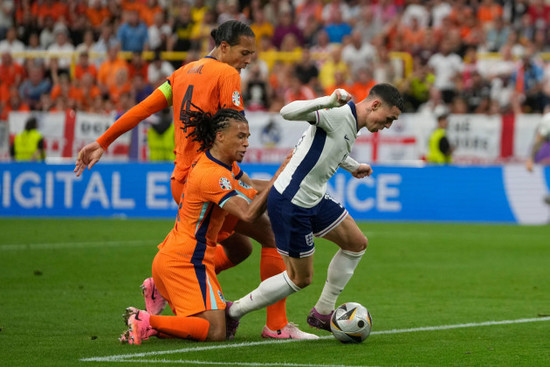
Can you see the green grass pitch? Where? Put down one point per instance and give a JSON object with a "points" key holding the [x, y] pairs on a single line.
{"points": [[439, 295]]}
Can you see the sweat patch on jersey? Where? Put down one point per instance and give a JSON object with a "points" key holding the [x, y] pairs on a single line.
{"points": [[225, 184], [236, 97]]}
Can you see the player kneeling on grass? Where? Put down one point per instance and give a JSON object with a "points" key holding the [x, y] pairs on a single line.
{"points": [[300, 208], [183, 269]]}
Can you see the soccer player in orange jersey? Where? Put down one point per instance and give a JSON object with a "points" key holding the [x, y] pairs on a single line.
{"points": [[183, 269], [210, 83]]}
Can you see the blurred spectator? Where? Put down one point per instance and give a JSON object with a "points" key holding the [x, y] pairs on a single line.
{"points": [[322, 49], [263, 68], [120, 88], [337, 28], [340, 82], [415, 9], [363, 83], [34, 46], [34, 86], [274, 8], [83, 66], [527, 80], [11, 71], [158, 33], [385, 10], [87, 92], [260, 26], [160, 137], [440, 10], [14, 103], [149, 11], [439, 148], [336, 11], [447, 66], [138, 65], [65, 90], [385, 69], [108, 70], [159, 70], [97, 13], [413, 36], [477, 94], [487, 13], [416, 87], [29, 144], [286, 26], [358, 54], [49, 8], [88, 42], [368, 25], [6, 17], [62, 50], [310, 31], [432, 103], [11, 44], [182, 30], [199, 10], [459, 105], [47, 36], [132, 34], [141, 88], [255, 89], [309, 9], [539, 13], [333, 65], [201, 39], [26, 24], [497, 35], [297, 91], [290, 44], [230, 11], [106, 41], [307, 71]]}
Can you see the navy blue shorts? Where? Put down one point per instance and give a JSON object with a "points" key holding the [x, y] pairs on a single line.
{"points": [[294, 226]]}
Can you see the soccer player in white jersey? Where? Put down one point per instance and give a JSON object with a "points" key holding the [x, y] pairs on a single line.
{"points": [[300, 208]]}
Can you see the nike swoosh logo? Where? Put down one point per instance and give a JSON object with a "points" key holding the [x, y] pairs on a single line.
{"points": [[346, 137]]}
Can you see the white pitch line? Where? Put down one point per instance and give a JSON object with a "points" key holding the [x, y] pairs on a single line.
{"points": [[212, 363], [69, 245], [125, 357]]}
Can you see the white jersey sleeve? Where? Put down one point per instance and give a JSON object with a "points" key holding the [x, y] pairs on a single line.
{"points": [[317, 156]]}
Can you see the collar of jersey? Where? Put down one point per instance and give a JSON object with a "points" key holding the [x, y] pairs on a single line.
{"points": [[209, 155], [210, 57], [352, 106]]}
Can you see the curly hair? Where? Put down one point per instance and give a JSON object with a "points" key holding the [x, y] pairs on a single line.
{"points": [[207, 125]]}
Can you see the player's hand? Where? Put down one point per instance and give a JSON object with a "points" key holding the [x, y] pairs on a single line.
{"points": [[340, 97], [87, 157], [364, 170], [529, 165]]}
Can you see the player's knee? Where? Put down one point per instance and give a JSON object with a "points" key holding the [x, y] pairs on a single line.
{"points": [[303, 281]]}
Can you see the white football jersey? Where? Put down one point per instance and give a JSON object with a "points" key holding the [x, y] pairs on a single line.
{"points": [[318, 154]]}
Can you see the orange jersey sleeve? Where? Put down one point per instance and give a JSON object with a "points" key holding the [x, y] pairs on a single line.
{"points": [[208, 84], [152, 104], [209, 185]]}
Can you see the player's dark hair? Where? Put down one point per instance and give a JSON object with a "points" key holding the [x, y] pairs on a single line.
{"points": [[389, 94], [230, 32], [207, 125]]}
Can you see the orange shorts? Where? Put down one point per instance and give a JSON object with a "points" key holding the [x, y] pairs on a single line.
{"points": [[177, 184], [189, 288]]}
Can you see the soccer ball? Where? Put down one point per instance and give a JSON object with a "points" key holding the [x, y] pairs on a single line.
{"points": [[351, 323]]}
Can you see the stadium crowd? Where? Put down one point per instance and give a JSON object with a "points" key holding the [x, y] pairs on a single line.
{"points": [[474, 56]]}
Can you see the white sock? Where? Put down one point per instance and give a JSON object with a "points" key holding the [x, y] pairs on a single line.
{"points": [[339, 273], [268, 292]]}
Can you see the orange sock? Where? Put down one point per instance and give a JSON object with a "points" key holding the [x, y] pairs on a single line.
{"points": [[271, 264], [221, 261], [191, 327]]}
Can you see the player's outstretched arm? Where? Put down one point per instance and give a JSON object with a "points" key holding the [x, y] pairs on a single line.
{"points": [[305, 110], [87, 157]]}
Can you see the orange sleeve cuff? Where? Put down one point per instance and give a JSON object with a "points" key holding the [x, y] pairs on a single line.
{"points": [[152, 104]]}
